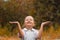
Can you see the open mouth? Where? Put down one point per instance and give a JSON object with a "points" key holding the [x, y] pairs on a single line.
{"points": [[29, 23]]}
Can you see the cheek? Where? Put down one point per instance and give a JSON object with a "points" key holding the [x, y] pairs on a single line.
{"points": [[33, 23], [25, 23]]}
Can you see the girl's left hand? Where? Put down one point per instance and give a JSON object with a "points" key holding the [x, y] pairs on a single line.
{"points": [[47, 22]]}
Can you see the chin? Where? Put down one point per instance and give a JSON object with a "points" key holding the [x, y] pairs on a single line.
{"points": [[29, 25]]}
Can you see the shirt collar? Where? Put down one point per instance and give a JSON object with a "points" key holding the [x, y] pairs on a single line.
{"points": [[27, 29]]}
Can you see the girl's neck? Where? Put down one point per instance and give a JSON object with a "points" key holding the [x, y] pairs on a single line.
{"points": [[29, 28]]}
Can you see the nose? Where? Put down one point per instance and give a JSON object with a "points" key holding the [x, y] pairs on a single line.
{"points": [[28, 20]]}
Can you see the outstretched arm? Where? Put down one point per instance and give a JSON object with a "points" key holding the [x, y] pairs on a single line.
{"points": [[41, 28], [19, 27]]}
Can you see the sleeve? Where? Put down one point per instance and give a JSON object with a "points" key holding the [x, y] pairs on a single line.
{"points": [[36, 33], [19, 34]]}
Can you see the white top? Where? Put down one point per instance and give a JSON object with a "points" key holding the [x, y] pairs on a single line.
{"points": [[30, 34]]}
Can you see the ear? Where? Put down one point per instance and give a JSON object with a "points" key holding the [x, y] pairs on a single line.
{"points": [[34, 24]]}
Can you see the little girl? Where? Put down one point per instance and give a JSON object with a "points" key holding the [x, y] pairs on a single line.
{"points": [[29, 33]]}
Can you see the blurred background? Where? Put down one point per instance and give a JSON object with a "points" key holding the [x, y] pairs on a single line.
{"points": [[41, 10]]}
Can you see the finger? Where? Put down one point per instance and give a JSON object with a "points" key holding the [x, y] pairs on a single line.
{"points": [[46, 22], [12, 22], [49, 22]]}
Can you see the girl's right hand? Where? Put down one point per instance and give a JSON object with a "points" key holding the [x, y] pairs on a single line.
{"points": [[14, 22]]}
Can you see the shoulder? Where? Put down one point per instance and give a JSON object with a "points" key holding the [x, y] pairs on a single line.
{"points": [[35, 30], [24, 29]]}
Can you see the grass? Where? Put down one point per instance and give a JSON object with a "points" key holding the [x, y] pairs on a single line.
{"points": [[50, 34], [9, 38]]}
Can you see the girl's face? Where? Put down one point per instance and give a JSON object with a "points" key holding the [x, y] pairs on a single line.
{"points": [[29, 21]]}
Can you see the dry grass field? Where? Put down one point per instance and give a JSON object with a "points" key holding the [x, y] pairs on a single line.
{"points": [[51, 34]]}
